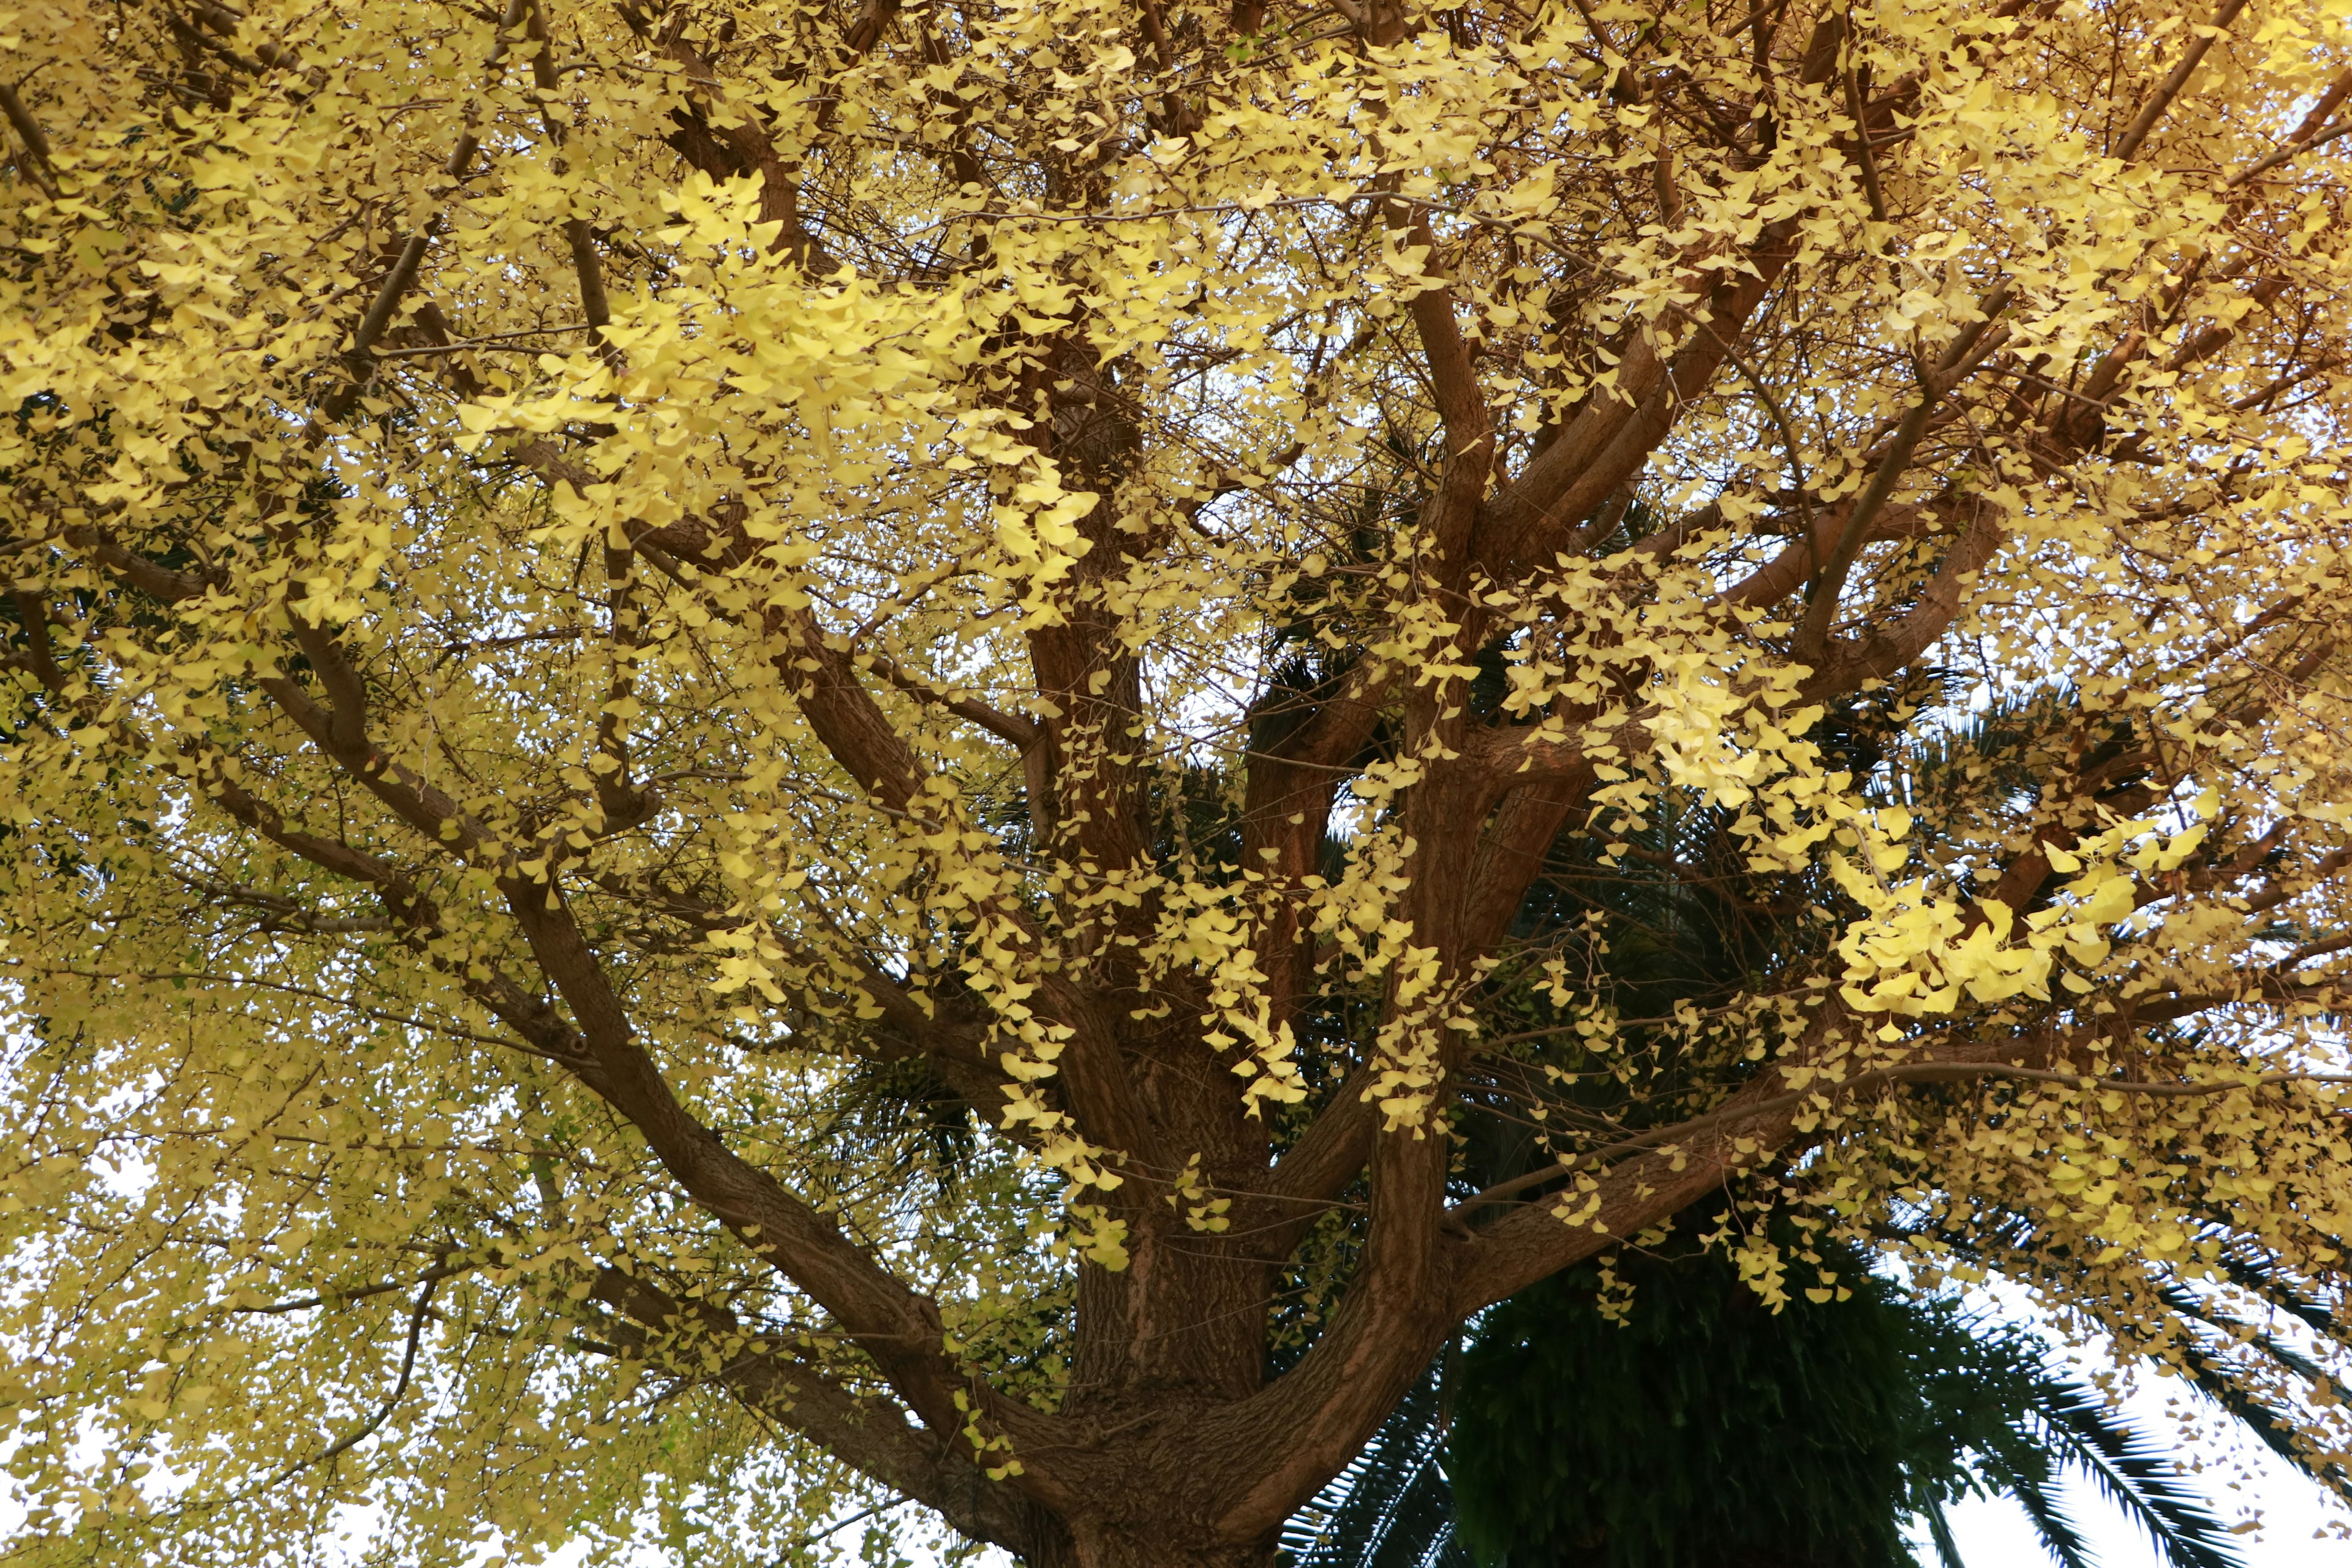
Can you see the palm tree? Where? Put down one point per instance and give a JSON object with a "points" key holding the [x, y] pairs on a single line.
{"points": [[1698, 1427]]}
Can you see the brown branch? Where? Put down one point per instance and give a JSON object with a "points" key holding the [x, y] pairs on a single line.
{"points": [[157, 582], [1468, 424], [399, 1390], [1921, 1072], [1885, 651], [2307, 135], [1019, 732], [327, 854], [340, 733], [37, 164], [40, 658], [1330, 1155], [486, 340], [841, 712], [585, 264], [900, 1328], [871, 1435], [360, 357], [1973, 342], [1612, 436], [2200, 39], [2288, 153], [1864, 157], [2271, 897], [359, 1293]]}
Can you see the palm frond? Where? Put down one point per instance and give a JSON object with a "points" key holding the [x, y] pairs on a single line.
{"points": [[1939, 1535], [1393, 1507], [2039, 1498], [2134, 1471]]}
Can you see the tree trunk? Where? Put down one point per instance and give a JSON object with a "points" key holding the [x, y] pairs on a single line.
{"points": [[1098, 1543]]}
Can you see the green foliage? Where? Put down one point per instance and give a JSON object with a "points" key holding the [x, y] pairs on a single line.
{"points": [[1653, 1413], [1700, 1427]]}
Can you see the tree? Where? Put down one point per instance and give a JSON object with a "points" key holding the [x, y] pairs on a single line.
{"points": [[1683, 1422], [589, 584]]}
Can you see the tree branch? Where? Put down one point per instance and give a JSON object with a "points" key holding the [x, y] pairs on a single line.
{"points": [[869, 1435], [2200, 39]]}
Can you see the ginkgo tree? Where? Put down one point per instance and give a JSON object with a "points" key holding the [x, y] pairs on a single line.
{"points": [[621, 618]]}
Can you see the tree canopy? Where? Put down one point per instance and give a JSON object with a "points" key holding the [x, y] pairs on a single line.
{"points": [[629, 625]]}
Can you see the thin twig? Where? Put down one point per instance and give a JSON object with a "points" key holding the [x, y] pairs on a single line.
{"points": [[488, 340], [2292, 149], [1148, 213], [339, 1298], [837, 1526], [399, 1390]]}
